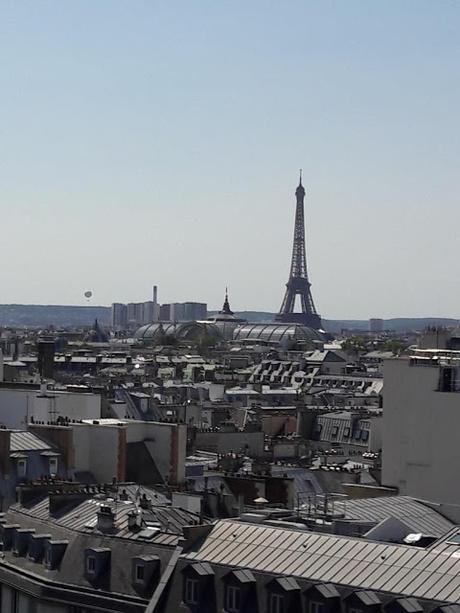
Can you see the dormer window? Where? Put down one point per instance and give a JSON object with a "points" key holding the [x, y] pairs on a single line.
{"points": [[239, 591], [91, 564], [283, 594], [191, 591], [145, 574], [37, 546], [54, 552], [322, 597], [97, 563], [22, 467], [53, 466], [276, 603], [198, 581], [140, 572], [363, 601], [232, 599]]}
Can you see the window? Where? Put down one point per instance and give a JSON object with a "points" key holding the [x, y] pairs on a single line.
{"points": [[335, 430], [365, 435], [90, 564], [346, 433], [454, 539], [47, 556], [316, 607], [14, 601], [22, 467], [276, 603], [53, 466], [232, 599], [191, 591], [140, 572]]}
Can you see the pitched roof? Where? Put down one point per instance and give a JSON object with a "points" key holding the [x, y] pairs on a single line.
{"points": [[430, 573], [417, 515], [21, 440]]}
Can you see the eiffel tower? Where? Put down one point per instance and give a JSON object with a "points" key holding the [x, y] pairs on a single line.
{"points": [[298, 283]]}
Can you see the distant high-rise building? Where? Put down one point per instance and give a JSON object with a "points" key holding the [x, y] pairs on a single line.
{"points": [[195, 311], [46, 351], [165, 312], [156, 306], [148, 314], [376, 325], [119, 316], [135, 313], [177, 311]]}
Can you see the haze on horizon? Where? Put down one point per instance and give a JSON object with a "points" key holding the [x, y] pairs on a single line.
{"points": [[160, 142]]}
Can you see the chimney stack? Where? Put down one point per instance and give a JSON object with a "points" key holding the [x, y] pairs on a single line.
{"points": [[105, 519], [145, 503]]}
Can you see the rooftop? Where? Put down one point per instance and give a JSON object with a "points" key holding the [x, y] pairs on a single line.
{"points": [[26, 441], [430, 573]]}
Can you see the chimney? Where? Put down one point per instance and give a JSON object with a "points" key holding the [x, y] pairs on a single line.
{"points": [[155, 294], [134, 520], [105, 519], [5, 438], [144, 502]]}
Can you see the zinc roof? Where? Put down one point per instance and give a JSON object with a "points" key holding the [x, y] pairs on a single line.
{"points": [[82, 517], [431, 574], [26, 441], [414, 513]]}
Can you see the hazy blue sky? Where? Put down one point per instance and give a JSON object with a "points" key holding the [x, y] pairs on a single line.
{"points": [[145, 141]]}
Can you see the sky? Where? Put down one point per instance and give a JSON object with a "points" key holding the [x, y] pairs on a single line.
{"points": [[148, 142]]}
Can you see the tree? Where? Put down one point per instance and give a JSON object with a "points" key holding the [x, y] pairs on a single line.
{"points": [[354, 345]]}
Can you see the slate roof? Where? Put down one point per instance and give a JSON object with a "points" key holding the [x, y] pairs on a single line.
{"points": [[82, 517], [70, 573], [431, 573]]}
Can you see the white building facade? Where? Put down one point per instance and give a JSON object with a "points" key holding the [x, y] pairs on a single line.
{"points": [[421, 425]]}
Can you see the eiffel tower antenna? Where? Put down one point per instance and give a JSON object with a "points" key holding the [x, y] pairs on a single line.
{"points": [[298, 283]]}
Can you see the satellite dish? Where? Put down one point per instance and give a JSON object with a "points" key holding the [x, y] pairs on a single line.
{"points": [[88, 294]]}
